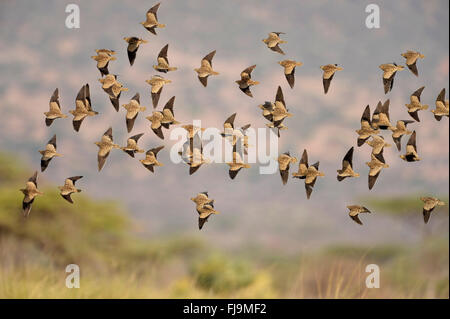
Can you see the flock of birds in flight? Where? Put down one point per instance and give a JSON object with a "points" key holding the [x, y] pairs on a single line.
{"points": [[274, 112]]}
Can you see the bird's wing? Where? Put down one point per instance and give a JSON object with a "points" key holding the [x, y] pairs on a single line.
{"points": [[80, 99], [372, 180], [153, 10], [304, 159], [26, 206], [233, 173], [203, 80], [131, 56], [130, 122], [163, 52], [230, 120], [101, 159], [87, 97], [397, 141], [290, 77], [73, 179], [277, 48], [356, 219], [136, 137], [54, 101], [413, 68], [67, 198], [169, 105], [52, 141], [326, 83], [385, 108], [414, 115], [155, 150], [202, 221], [366, 115], [136, 98], [388, 83], [209, 57], [279, 96], [155, 96], [108, 133], [348, 158], [441, 96], [248, 71], [158, 131], [76, 124], [33, 178], [309, 190], [284, 175], [412, 141]]}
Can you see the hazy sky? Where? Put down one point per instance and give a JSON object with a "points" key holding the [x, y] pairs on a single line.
{"points": [[38, 53]]}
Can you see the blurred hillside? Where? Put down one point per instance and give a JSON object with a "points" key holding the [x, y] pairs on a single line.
{"points": [[117, 261]]}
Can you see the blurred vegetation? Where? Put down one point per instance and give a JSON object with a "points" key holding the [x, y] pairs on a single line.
{"points": [[100, 237]]}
